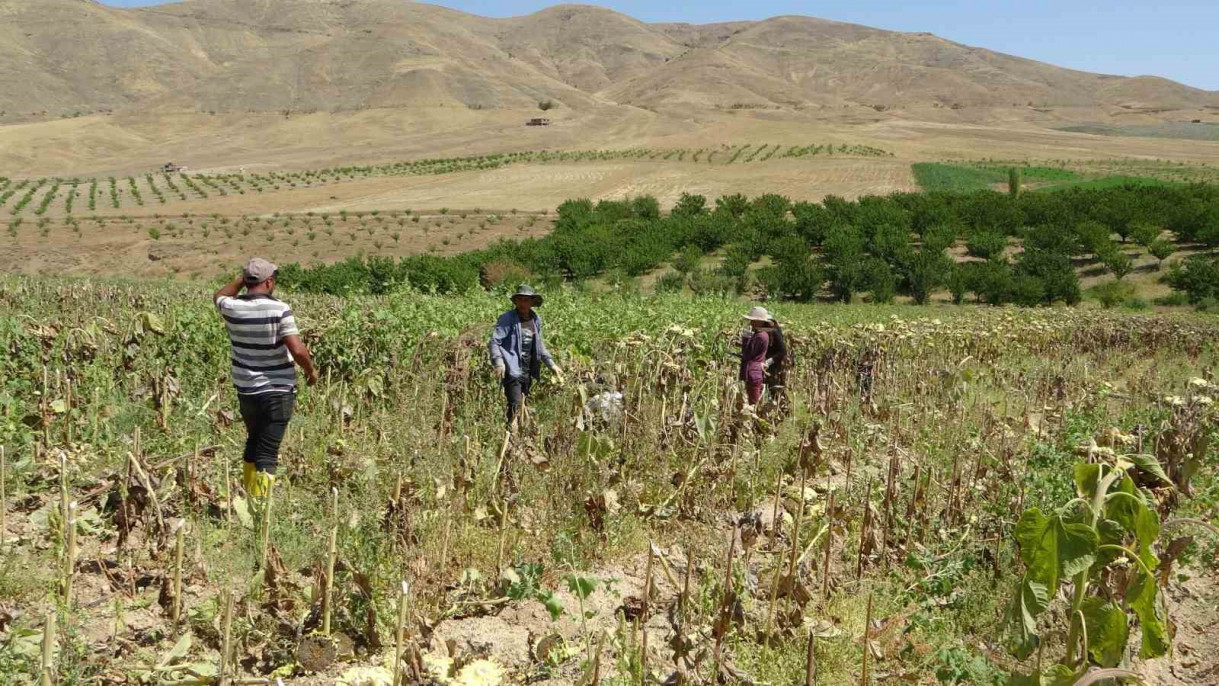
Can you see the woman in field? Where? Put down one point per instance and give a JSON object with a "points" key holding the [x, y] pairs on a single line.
{"points": [[754, 345], [775, 366]]}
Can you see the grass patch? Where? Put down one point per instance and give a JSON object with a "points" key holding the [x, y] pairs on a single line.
{"points": [[1112, 182], [935, 176]]}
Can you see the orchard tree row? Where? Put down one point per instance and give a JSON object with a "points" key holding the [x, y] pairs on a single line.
{"points": [[1001, 248]]}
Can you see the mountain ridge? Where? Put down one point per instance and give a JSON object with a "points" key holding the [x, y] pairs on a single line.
{"points": [[70, 56]]}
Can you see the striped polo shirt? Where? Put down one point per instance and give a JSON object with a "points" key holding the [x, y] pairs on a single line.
{"points": [[257, 325]]}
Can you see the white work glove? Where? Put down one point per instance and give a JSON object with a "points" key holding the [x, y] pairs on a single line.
{"points": [[500, 371], [558, 373], [767, 363]]}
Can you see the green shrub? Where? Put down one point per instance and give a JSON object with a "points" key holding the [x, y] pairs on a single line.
{"points": [[690, 205], [734, 205], [1110, 294], [1174, 299], [986, 244], [688, 259], [1144, 233], [813, 222], [620, 280], [502, 273], [707, 283], [923, 272], [846, 268], [1197, 277], [1118, 263], [1093, 237], [1208, 304], [993, 282], [1028, 290], [645, 207], [670, 282], [1054, 271], [772, 204], [961, 280], [880, 279], [736, 261], [1161, 250]]}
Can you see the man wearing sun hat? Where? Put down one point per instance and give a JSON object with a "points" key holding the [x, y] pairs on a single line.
{"points": [[754, 345], [518, 350], [265, 349]]}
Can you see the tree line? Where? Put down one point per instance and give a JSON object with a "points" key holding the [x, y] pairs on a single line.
{"points": [[1020, 248]]}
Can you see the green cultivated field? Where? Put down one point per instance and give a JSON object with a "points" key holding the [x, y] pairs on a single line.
{"points": [[933, 176], [942, 472], [1201, 131], [1057, 174]]}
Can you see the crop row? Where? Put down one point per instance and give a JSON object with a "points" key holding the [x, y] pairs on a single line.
{"points": [[181, 186]]}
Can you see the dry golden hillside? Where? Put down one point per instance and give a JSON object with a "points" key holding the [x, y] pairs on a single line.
{"points": [[273, 55], [292, 84]]}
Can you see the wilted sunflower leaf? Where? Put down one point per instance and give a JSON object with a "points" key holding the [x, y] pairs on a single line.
{"points": [[1031, 599], [176, 653], [1107, 631], [242, 509], [1150, 466], [1052, 548], [1130, 510], [1141, 596]]}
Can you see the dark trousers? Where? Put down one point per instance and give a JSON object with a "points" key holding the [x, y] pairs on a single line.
{"points": [[266, 419], [776, 381], [515, 390]]}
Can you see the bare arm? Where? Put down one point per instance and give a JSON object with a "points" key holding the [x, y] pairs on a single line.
{"points": [[300, 354], [229, 291]]}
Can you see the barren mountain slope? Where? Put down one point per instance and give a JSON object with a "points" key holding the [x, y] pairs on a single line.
{"points": [[64, 56], [587, 47], [824, 61], [67, 56]]}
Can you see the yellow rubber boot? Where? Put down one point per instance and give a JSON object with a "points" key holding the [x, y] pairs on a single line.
{"points": [[260, 484], [260, 509], [247, 477]]}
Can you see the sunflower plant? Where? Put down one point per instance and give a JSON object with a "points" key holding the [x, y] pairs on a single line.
{"points": [[1102, 543]]}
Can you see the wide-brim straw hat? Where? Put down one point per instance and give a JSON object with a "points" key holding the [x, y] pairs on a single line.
{"points": [[525, 290], [759, 314]]}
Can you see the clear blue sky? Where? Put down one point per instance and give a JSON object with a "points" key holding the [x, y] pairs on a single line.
{"points": [[1177, 39]]}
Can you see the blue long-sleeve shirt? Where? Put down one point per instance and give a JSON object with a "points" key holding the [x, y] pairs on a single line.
{"points": [[505, 346]]}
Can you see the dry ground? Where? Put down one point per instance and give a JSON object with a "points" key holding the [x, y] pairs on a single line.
{"points": [[127, 144], [181, 248], [124, 144]]}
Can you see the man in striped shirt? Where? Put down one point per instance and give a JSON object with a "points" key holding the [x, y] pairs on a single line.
{"points": [[265, 347]]}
